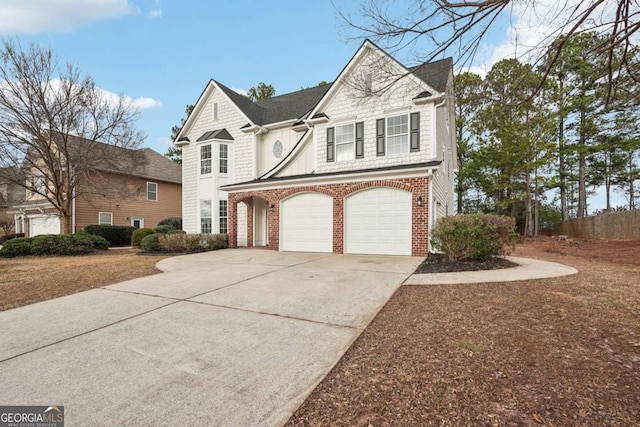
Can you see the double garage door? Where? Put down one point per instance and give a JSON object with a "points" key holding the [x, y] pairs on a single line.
{"points": [[376, 221]]}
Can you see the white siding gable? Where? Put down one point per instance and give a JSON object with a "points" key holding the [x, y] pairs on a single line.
{"points": [[350, 103]]}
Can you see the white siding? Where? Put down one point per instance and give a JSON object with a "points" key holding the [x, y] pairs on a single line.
{"points": [[195, 187], [266, 160], [349, 103], [303, 163]]}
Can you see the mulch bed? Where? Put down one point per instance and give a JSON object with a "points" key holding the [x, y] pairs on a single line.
{"points": [[438, 263], [553, 352]]}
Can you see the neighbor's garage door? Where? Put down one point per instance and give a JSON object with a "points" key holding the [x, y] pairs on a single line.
{"points": [[306, 223], [47, 224], [378, 221]]}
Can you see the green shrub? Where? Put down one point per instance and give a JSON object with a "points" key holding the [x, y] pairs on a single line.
{"points": [[473, 236], [116, 235], [176, 232], [163, 229], [174, 222], [61, 244], [151, 243], [139, 234], [182, 242], [98, 242], [10, 236], [20, 246]]}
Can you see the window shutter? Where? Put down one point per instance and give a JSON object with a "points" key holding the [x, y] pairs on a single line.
{"points": [[359, 140], [415, 132], [330, 145], [380, 137]]}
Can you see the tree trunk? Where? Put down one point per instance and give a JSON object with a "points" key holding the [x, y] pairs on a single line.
{"points": [[582, 167], [561, 149]]}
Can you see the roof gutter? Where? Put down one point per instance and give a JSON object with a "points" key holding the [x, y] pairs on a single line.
{"points": [[429, 99]]}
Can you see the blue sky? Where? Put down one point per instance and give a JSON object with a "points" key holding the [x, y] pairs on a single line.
{"points": [[162, 53]]}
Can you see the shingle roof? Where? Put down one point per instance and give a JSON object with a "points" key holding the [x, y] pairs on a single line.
{"points": [[151, 165], [276, 109], [435, 74], [216, 134]]}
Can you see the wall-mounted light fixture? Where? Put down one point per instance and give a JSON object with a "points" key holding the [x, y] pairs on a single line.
{"points": [[420, 201], [272, 208]]}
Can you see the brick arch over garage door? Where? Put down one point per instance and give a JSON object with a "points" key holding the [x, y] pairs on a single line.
{"points": [[418, 187]]}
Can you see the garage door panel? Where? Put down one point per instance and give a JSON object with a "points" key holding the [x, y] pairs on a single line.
{"points": [[49, 224], [378, 221], [307, 223]]}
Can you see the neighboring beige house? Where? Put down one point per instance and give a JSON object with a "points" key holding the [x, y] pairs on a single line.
{"points": [[10, 194], [141, 198], [363, 165]]}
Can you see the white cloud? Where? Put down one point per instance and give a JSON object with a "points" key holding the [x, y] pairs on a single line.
{"points": [[155, 13], [144, 103], [37, 16]]}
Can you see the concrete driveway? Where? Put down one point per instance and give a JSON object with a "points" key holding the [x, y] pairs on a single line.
{"points": [[227, 338]]}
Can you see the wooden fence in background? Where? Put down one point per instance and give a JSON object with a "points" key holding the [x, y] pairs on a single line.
{"points": [[612, 226]]}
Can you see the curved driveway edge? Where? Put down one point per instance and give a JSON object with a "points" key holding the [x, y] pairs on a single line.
{"points": [[527, 269]]}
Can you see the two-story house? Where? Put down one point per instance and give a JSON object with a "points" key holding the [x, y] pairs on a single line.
{"points": [[363, 165], [141, 196]]}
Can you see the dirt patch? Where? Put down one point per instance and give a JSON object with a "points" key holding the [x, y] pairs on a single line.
{"points": [[29, 280], [553, 352], [438, 263]]}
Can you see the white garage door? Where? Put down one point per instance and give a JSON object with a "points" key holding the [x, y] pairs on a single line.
{"points": [[306, 223], [378, 221], [46, 224]]}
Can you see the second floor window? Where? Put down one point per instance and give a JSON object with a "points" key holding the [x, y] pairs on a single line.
{"points": [[205, 159], [152, 191], [345, 142], [39, 184], [398, 134], [224, 157]]}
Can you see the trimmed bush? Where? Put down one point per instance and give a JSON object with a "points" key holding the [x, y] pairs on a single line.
{"points": [[10, 237], [476, 237], [151, 243], [139, 234], [20, 246], [116, 235], [174, 222], [182, 242], [63, 244], [176, 232], [164, 229]]}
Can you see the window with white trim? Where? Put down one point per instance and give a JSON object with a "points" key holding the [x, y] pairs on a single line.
{"points": [[205, 216], [205, 159], [223, 216], [39, 183], [224, 158], [137, 222], [398, 134], [152, 191], [345, 142], [215, 111], [105, 218]]}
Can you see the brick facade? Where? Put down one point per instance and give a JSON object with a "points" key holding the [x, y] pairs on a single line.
{"points": [[419, 187]]}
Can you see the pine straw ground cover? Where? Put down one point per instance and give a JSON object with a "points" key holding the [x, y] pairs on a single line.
{"points": [[33, 279], [551, 352]]}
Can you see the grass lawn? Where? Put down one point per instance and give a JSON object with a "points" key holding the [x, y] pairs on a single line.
{"points": [[33, 279], [551, 352]]}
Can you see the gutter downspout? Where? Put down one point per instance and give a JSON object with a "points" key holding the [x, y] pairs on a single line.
{"points": [[430, 210]]}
